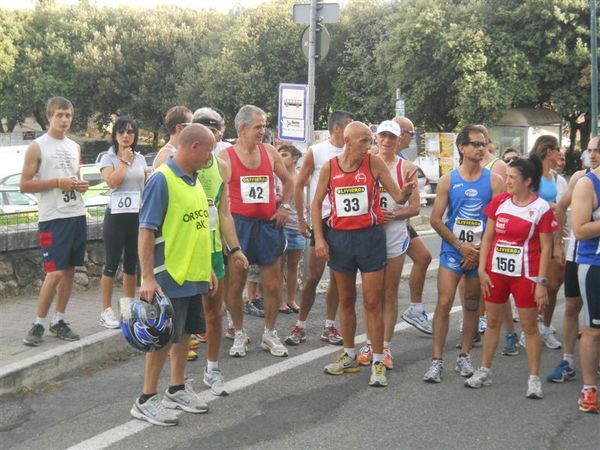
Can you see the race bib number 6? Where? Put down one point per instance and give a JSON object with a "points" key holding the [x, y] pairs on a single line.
{"points": [[351, 201], [254, 189], [507, 260]]}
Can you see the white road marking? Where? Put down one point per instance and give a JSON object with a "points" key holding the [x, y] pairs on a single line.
{"points": [[116, 434]]}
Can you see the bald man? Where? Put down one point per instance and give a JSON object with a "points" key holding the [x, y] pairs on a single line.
{"points": [[415, 314], [356, 240], [184, 274]]}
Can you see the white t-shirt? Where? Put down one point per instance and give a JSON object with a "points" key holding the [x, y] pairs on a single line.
{"points": [[322, 152]]}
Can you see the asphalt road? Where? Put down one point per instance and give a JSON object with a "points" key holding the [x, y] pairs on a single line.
{"points": [[289, 402]]}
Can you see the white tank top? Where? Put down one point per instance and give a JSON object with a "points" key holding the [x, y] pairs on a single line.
{"points": [[59, 159], [322, 152], [386, 201]]}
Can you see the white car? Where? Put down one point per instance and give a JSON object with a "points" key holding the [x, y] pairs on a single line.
{"points": [[14, 201]]}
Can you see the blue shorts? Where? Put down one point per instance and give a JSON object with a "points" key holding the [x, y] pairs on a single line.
{"points": [[452, 260], [353, 250], [63, 242], [261, 241], [295, 240]]}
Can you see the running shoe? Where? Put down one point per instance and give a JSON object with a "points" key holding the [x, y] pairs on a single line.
{"points": [[550, 340], [331, 336], [230, 334], [534, 389], [511, 347], [194, 342], [34, 337], [251, 309], [296, 337], [240, 344], [343, 364], [417, 319], [464, 366], [388, 360], [271, 343], [185, 399], [259, 303], [562, 372], [482, 324], [215, 381], [482, 377], [153, 411], [378, 378], [588, 400], [192, 355], [108, 319], [434, 373], [365, 355], [62, 331]]}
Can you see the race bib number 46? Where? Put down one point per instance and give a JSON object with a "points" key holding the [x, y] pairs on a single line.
{"points": [[351, 201], [255, 189], [468, 230], [507, 260]]}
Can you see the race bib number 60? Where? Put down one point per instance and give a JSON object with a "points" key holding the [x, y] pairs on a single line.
{"points": [[124, 202], [507, 260]]}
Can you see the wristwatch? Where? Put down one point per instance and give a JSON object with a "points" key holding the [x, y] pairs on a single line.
{"points": [[286, 206], [543, 281]]}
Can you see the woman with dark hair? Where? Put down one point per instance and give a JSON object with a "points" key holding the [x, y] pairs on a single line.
{"points": [[546, 147], [514, 259], [124, 171]]}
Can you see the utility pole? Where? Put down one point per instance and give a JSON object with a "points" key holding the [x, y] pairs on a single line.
{"points": [[312, 51]]}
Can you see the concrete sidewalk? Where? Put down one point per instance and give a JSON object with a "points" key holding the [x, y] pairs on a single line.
{"points": [[24, 367]]}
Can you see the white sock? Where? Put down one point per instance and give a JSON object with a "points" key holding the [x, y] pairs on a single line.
{"points": [[329, 323], [266, 330], [39, 320], [386, 344], [350, 352], [534, 378], [301, 323], [377, 357], [58, 317], [570, 358], [485, 369], [212, 365], [544, 329], [416, 306], [588, 386], [229, 320]]}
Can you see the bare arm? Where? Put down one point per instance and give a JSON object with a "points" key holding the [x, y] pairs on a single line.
{"points": [[381, 172], [146, 255], [302, 180], [484, 250], [161, 157], [541, 292], [316, 208], [287, 186], [413, 208], [584, 202], [497, 184]]}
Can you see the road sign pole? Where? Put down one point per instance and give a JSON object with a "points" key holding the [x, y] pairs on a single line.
{"points": [[312, 48]]}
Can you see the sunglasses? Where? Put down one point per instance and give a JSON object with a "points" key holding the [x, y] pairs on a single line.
{"points": [[511, 159], [127, 131], [477, 144]]}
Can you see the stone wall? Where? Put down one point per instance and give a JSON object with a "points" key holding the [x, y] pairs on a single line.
{"points": [[21, 271]]}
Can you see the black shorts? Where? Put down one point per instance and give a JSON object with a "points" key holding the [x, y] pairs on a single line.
{"points": [[571, 280], [353, 250], [325, 230], [120, 234], [189, 316], [62, 242], [411, 231], [589, 282]]}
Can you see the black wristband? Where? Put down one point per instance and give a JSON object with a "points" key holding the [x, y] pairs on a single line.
{"points": [[233, 250]]}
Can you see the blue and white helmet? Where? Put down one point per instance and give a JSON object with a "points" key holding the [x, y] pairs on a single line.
{"points": [[147, 326]]}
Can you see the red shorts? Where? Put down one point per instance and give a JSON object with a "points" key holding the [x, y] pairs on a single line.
{"points": [[521, 288]]}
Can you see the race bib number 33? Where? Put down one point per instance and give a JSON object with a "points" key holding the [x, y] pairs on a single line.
{"points": [[351, 201], [507, 260], [254, 189]]}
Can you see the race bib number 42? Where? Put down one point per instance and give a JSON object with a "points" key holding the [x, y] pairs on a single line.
{"points": [[507, 260], [468, 230], [351, 201], [255, 189]]}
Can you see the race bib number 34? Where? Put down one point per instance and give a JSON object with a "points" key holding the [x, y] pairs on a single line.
{"points": [[468, 230], [507, 260], [351, 201], [124, 202], [254, 189]]}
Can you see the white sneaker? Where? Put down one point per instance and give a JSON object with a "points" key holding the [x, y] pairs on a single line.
{"points": [[482, 324], [549, 339], [481, 377], [417, 319], [271, 343], [240, 344], [215, 381], [534, 389], [464, 366], [108, 319]]}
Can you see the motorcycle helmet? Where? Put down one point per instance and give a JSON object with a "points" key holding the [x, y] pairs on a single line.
{"points": [[147, 326]]}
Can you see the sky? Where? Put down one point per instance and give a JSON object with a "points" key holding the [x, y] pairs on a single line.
{"points": [[221, 5]]}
